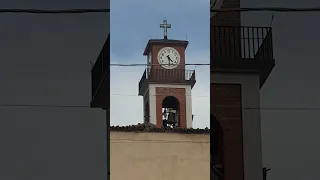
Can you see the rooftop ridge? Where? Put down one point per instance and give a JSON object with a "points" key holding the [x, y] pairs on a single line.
{"points": [[148, 127]]}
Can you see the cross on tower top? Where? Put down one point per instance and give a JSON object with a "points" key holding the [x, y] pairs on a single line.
{"points": [[165, 27]]}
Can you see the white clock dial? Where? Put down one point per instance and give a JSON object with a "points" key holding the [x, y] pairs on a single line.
{"points": [[168, 58], [149, 58]]}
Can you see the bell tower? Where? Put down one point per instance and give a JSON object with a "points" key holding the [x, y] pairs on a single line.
{"points": [[241, 60], [166, 83]]}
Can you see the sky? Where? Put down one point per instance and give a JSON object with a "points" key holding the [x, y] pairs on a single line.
{"points": [[189, 19], [46, 60]]}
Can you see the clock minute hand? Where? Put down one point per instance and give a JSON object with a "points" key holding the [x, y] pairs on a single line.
{"points": [[170, 60]]}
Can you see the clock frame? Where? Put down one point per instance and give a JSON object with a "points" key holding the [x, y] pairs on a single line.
{"points": [[168, 57]]}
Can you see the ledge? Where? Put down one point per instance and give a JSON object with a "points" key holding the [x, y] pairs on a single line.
{"points": [[148, 127]]}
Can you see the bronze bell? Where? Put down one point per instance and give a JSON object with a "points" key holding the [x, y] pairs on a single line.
{"points": [[171, 118]]}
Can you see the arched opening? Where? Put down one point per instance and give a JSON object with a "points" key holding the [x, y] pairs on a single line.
{"points": [[216, 143], [170, 112], [146, 113]]}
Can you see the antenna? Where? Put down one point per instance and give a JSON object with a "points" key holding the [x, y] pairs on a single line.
{"points": [[186, 38], [272, 17]]}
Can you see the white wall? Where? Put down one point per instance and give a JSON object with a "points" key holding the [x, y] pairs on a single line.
{"points": [[152, 97], [251, 120]]}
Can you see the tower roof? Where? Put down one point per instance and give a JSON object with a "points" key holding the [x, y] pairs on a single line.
{"points": [[164, 41]]}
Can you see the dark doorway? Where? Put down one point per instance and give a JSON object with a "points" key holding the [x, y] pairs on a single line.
{"points": [[216, 147]]}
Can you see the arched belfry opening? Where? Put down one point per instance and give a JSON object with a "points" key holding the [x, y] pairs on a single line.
{"points": [[170, 112], [216, 143]]}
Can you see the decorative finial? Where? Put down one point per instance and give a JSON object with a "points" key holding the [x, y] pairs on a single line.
{"points": [[165, 27]]}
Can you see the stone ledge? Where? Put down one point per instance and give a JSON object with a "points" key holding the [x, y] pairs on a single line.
{"points": [[148, 127]]}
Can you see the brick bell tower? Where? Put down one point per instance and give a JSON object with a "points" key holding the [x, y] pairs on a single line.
{"points": [[166, 83], [241, 61]]}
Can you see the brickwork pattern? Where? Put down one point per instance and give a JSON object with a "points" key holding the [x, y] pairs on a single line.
{"points": [[180, 94], [225, 101]]}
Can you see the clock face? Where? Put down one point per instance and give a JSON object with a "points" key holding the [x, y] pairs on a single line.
{"points": [[168, 58], [149, 59]]}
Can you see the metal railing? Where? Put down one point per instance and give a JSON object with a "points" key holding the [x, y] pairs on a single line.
{"points": [[100, 67], [167, 75], [241, 42]]}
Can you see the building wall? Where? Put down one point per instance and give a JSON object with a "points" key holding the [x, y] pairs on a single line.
{"points": [[251, 122], [227, 18], [153, 102], [146, 103], [225, 100], [159, 156]]}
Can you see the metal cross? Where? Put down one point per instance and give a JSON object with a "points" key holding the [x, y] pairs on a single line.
{"points": [[165, 27]]}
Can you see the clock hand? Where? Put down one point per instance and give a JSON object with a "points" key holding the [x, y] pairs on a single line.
{"points": [[170, 60]]}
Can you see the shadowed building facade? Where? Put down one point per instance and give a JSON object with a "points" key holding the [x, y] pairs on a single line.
{"points": [[241, 61]]}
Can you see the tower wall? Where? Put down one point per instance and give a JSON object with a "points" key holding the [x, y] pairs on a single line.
{"points": [[227, 18], [251, 123], [146, 107], [157, 93]]}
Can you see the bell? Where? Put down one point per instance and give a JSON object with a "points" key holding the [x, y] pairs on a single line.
{"points": [[171, 118]]}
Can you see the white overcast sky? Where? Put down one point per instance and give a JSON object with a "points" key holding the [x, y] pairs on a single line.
{"points": [[189, 19]]}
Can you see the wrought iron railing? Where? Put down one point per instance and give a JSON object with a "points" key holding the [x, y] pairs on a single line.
{"points": [[241, 42], [167, 75], [101, 67]]}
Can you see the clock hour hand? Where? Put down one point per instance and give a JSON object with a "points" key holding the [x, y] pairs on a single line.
{"points": [[170, 60]]}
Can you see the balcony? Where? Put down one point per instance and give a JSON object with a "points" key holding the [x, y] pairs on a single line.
{"points": [[161, 76], [100, 78], [242, 49]]}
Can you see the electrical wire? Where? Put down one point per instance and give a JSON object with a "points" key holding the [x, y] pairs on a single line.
{"points": [[111, 94], [134, 95], [192, 64], [72, 106], [153, 141], [81, 11], [44, 105], [87, 106], [270, 9], [62, 11]]}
